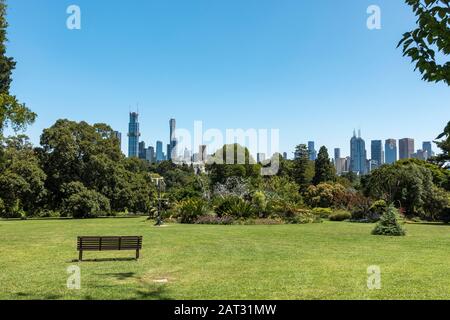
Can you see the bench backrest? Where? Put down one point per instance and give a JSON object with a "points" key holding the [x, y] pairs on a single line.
{"points": [[109, 243]]}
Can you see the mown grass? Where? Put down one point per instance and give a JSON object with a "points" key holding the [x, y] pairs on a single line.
{"points": [[315, 261]]}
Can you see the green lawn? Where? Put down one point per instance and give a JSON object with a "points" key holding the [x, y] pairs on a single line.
{"points": [[315, 261]]}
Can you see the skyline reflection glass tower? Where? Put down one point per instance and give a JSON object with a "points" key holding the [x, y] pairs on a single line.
{"points": [[391, 151], [358, 155]]}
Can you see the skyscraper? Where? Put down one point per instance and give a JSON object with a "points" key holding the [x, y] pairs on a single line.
{"points": [[285, 155], [150, 154], [133, 135], [406, 147], [159, 151], [142, 151], [260, 157], [427, 146], [337, 154], [358, 155], [312, 151], [118, 136], [202, 152], [172, 149], [377, 154], [391, 151]]}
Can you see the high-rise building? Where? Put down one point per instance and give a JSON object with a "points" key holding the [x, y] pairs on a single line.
{"points": [[202, 152], [187, 155], [285, 156], [159, 151], [337, 154], [150, 154], [312, 151], [358, 155], [171, 151], [142, 150], [260, 157], [391, 151], [427, 146], [377, 154], [133, 135], [168, 152], [118, 136], [420, 154], [406, 147]]}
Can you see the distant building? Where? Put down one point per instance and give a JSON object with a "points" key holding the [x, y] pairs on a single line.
{"points": [[150, 155], [142, 150], [406, 148], [337, 154], [427, 146], [391, 151], [421, 155], [118, 136], [312, 151], [260, 157], [159, 151], [285, 155], [187, 155], [133, 135], [358, 155], [377, 154], [172, 150], [202, 156]]}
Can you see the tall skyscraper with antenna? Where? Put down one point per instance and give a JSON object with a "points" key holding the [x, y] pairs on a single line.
{"points": [[133, 135]]}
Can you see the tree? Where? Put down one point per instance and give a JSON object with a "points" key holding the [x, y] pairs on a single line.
{"points": [[444, 145], [389, 225], [11, 110], [430, 39], [324, 169], [300, 167]]}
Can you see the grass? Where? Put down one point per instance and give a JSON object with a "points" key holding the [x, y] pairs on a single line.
{"points": [[314, 261]]}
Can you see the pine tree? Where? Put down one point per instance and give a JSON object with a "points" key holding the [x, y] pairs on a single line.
{"points": [[324, 170], [389, 225], [10, 109], [300, 167]]}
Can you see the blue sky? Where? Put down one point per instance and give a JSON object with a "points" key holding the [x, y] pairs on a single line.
{"points": [[310, 68]]}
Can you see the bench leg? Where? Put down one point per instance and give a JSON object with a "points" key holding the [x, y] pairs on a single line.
{"points": [[137, 254], [80, 256]]}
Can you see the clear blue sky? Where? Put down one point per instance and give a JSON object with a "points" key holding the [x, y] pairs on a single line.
{"points": [[310, 68]]}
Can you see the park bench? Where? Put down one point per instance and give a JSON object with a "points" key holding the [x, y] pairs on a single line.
{"points": [[108, 244]]}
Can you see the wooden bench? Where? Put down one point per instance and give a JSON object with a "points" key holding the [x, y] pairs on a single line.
{"points": [[108, 244]]}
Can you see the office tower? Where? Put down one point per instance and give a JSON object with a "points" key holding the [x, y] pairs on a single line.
{"points": [[285, 155], [133, 135], [260, 157], [142, 151], [377, 154], [202, 153], [159, 151], [427, 146], [337, 154], [168, 152], [118, 136], [150, 154], [420, 154], [312, 151], [406, 147], [171, 151], [187, 155], [391, 151], [358, 155]]}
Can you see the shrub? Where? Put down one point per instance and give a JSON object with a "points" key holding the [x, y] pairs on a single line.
{"points": [[235, 207], [259, 201], [284, 209], [264, 221], [323, 213], [87, 204], [189, 210], [389, 225], [377, 209], [303, 217], [340, 215], [212, 219]]}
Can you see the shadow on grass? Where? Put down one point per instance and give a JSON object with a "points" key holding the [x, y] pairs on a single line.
{"points": [[104, 260], [119, 275], [158, 293], [27, 296]]}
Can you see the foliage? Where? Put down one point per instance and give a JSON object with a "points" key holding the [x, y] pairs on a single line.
{"points": [[324, 213], [214, 220], [327, 195], [389, 225], [300, 166], [189, 210], [324, 169], [430, 39], [80, 202], [259, 201], [340, 215], [235, 207], [11, 110], [303, 217], [444, 145]]}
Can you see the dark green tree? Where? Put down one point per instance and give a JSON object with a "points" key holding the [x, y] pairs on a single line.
{"points": [[11, 110], [444, 145], [300, 166], [324, 169], [430, 41], [389, 225]]}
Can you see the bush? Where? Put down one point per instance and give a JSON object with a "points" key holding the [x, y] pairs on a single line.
{"points": [[303, 217], [284, 209], [212, 219], [87, 204], [259, 201], [389, 225], [377, 209], [340, 216], [264, 221], [323, 213], [234, 207], [189, 210]]}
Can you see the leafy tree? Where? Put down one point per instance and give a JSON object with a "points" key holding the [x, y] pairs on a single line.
{"points": [[444, 145], [81, 202], [430, 39], [324, 169], [300, 167], [11, 110], [389, 225]]}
